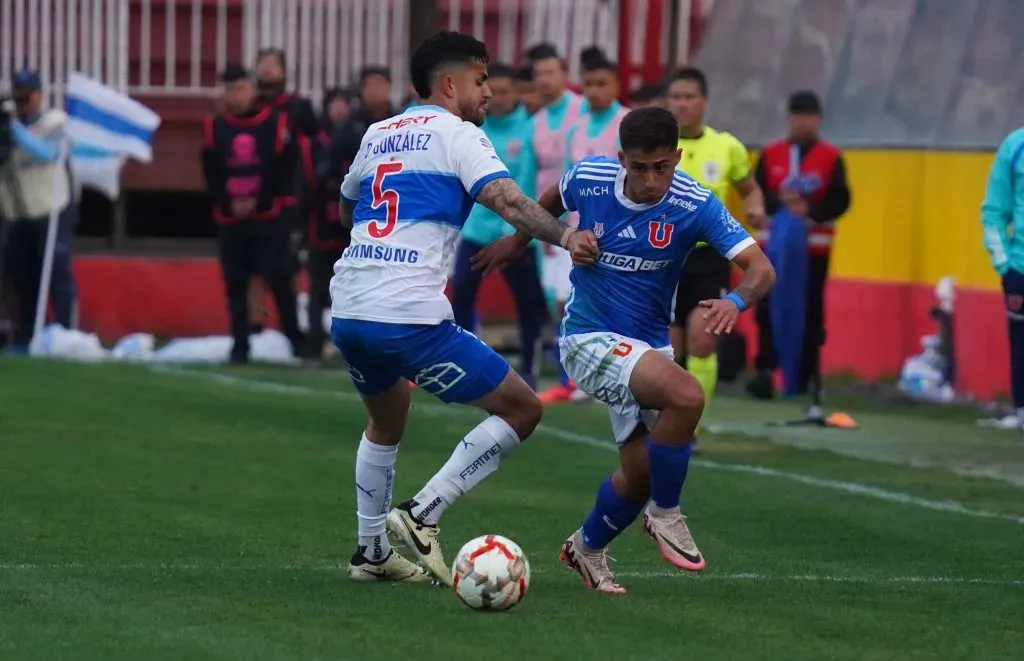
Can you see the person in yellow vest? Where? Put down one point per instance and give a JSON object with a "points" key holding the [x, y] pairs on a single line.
{"points": [[718, 161]]}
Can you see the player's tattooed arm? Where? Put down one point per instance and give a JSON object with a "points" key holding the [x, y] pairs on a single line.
{"points": [[551, 201], [505, 198], [758, 275], [345, 215]]}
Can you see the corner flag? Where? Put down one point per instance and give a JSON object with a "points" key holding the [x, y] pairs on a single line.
{"points": [[104, 128]]}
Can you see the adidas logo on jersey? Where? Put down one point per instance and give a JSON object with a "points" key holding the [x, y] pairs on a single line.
{"points": [[679, 202], [627, 233]]}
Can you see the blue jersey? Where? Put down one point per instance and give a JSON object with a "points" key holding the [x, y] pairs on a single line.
{"points": [[629, 290]]}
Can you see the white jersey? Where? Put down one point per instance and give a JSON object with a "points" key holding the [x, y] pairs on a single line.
{"points": [[412, 184]]}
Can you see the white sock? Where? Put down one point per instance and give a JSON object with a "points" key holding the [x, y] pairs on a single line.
{"points": [[375, 479], [475, 457]]}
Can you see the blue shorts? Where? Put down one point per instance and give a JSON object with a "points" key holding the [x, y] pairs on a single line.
{"points": [[444, 360]]}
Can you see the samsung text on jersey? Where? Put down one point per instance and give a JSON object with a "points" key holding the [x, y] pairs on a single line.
{"points": [[381, 254]]}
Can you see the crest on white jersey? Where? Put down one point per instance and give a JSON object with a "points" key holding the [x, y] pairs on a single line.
{"points": [[599, 230], [712, 171]]}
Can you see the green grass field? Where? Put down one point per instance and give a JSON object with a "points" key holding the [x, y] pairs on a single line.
{"points": [[195, 514]]}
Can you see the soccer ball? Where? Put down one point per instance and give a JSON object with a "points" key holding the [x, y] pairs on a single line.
{"points": [[491, 573]]}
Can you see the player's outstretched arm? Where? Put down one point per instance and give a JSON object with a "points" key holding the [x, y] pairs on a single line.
{"points": [[758, 275], [758, 278], [551, 201], [504, 197]]}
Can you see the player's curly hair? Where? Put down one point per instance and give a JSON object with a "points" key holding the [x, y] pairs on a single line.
{"points": [[648, 129], [440, 50]]}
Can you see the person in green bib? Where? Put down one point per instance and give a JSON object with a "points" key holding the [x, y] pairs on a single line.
{"points": [[718, 161], [510, 130]]}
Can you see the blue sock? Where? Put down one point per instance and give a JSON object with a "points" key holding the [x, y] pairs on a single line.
{"points": [[611, 515], [563, 378], [668, 465]]}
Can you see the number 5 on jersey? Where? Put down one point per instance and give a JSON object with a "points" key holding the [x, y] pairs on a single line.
{"points": [[388, 197]]}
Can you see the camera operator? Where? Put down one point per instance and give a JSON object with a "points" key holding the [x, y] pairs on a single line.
{"points": [[32, 181]]}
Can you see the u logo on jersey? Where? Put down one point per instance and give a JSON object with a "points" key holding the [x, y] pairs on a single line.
{"points": [[659, 233]]}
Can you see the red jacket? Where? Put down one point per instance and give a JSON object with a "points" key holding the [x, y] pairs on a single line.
{"points": [[822, 178]]}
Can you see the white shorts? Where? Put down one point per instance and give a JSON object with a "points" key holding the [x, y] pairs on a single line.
{"points": [[555, 268], [601, 364]]}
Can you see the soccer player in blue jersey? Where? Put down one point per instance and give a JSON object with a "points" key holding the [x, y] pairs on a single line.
{"points": [[614, 336]]}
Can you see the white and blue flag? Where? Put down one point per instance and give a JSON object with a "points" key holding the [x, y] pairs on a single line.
{"points": [[106, 127]]}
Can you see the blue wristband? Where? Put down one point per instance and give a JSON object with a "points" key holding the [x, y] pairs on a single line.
{"points": [[735, 298]]}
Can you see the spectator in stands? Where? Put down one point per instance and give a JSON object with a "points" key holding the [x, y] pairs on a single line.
{"points": [[327, 237], [510, 129], [271, 82], [550, 147], [32, 183], [526, 90], [249, 158], [649, 95], [337, 108], [818, 193], [374, 106]]}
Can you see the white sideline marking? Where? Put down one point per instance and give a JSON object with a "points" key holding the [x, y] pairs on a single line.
{"points": [[854, 488], [327, 567]]}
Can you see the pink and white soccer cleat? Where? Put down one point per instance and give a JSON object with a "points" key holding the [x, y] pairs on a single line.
{"points": [[669, 531], [591, 565]]}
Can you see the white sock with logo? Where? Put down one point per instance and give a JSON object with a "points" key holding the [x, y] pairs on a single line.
{"points": [[475, 457], [375, 479]]}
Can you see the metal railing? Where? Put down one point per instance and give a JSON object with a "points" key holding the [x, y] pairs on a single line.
{"points": [[57, 37], [175, 47]]}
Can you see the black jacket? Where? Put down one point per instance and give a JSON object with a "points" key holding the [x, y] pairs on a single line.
{"points": [[344, 146]]}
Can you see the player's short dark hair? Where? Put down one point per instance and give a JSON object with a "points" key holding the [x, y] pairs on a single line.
{"points": [[693, 75], [647, 129], [442, 49], [501, 70], [367, 72], [271, 52], [594, 59], [525, 75], [542, 51], [648, 93], [233, 73]]}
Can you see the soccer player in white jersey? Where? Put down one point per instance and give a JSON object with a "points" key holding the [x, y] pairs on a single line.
{"points": [[406, 196], [614, 336]]}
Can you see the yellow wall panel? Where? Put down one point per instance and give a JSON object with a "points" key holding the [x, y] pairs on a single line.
{"points": [[915, 217]]}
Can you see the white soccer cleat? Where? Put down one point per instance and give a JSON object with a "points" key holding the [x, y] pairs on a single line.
{"points": [[392, 568], [669, 531], [422, 539], [591, 565]]}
